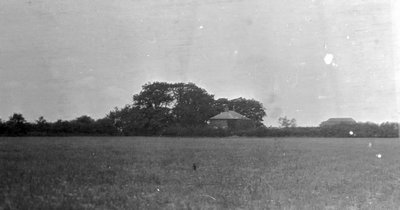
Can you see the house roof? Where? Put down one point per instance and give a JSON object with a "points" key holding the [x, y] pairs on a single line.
{"points": [[350, 120], [334, 121], [229, 115]]}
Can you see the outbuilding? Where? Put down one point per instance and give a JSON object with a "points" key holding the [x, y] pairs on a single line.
{"points": [[338, 121], [230, 120]]}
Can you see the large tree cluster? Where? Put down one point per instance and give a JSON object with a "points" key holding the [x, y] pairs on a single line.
{"points": [[161, 105]]}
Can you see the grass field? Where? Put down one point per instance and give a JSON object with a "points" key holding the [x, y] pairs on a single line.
{"points": [[232, 173]]}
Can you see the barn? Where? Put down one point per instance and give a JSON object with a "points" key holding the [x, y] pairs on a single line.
{"points": [[337, 121], [230, 120]]}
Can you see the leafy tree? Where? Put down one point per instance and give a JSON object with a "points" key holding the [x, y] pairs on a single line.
{"points": [[151, 110], [154, 95], [250, 108], [61, 127], [160, 105], [17, 125], [3, 128], [367, 129], [338, 130], [105, 126], [42, 125], [17, 119], [84, 119], [287, 123], [389, 129], [83, 125], [132, 120], [153, 121], [193, 105], [120, 118], [41, 121], [220, 105]]}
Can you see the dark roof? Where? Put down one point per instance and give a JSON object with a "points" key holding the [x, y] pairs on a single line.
{"points": [[334, 121], [229, 115], [341, 120]]}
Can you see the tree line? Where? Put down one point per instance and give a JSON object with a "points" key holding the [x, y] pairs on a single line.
{"points": [[183, 109], [85, 125], [159, 109]]}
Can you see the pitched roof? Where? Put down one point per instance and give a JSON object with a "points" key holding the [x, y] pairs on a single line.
{"points": [[350, 120], [229, 115], [335, 121]]}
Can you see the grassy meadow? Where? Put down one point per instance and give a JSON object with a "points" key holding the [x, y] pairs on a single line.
{"points": [[231, 173]]}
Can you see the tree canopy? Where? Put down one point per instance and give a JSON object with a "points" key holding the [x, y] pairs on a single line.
{"points": [[250, 108], [285, 122], [161, 105], [17, 125]]}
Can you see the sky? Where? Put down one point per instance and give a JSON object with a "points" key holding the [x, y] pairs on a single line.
{"points": [[305, 59]]}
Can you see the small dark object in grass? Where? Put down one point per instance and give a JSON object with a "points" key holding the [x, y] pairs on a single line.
{"points": [[194, 166]]}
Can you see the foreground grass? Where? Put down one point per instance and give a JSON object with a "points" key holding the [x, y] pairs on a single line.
{"points": [[232, 173]]}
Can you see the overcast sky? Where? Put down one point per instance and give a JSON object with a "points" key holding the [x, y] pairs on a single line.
{"points": [[306, 59]]}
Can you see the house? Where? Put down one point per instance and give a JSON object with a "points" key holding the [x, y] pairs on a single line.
{"points": [[337, 121], [230, 119]]}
